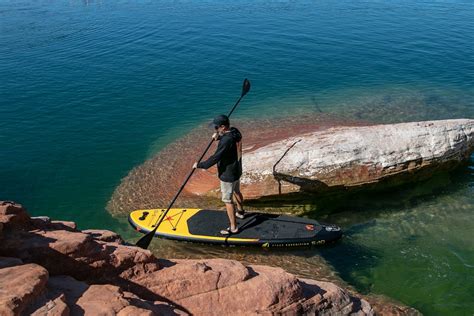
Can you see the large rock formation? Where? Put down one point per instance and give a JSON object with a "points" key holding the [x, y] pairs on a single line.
{"points": [[282, 159], [154, 183], [51, 268], [354, 156]]}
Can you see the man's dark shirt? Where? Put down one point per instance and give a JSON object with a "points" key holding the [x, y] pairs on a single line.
{"points": [[227, 156]]}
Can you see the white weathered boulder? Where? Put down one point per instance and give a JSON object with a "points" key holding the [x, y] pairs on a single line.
{"points": [[354, 155]]}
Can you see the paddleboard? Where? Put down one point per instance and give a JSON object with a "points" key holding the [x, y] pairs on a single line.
{"points": [[256, 229]]}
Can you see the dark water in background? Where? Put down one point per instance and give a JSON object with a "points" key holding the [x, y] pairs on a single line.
{"points": [[89, 89]]}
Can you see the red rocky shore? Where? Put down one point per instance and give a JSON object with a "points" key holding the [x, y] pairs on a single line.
{"points": [[52, 268]]}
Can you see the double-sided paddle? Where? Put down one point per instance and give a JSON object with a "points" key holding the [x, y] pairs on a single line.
{"points": [[145, 241]]}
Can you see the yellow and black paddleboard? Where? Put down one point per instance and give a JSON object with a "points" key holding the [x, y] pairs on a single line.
{"points": [[256, 229]]}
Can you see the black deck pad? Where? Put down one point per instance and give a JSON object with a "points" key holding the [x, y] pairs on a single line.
{"points": [[254, 225]]}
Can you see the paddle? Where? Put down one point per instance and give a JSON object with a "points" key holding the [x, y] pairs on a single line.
{"points": [[145, 241]]}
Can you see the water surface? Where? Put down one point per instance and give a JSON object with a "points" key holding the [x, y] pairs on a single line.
{"points": [[90, 89]]}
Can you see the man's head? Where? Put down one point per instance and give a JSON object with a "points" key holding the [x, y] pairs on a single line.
{"points": [[221, 123]]}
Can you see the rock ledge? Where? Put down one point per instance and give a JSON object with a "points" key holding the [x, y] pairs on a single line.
{"points": [[51, 268]]}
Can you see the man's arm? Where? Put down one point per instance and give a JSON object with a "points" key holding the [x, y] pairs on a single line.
{"points": [[221, 148]]}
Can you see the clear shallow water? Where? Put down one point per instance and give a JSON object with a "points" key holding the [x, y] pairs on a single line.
{"points": [[423, 237], [91, 89]]}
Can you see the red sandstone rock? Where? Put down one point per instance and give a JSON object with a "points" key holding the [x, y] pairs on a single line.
{"points": [[12, 215], [64, 242], [133, 310], [189, 278], [91, 277], [217, 286], [44, 222], [20, 286], [78, 254], [62, 224], [271, 289], [104, 299], [332, 299], [104, 235], [51, 307]]}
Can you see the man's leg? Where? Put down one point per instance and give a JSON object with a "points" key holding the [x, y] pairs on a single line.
{"points": [[239, 201], [227, 190], [231, 214]]}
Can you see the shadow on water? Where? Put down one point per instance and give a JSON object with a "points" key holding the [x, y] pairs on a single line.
{"points": [[354, 206], [348, 257], [358, 207], [358, 213]]}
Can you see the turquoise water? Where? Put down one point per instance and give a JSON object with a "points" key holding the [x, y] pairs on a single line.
{"points": [[413, 243], [88, 90]]}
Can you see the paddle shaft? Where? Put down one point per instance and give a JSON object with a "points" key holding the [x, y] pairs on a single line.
{"points": [[144, 242], [191, 173]]}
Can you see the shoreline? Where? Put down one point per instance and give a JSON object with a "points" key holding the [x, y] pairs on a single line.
{"points": [[64, 270]]}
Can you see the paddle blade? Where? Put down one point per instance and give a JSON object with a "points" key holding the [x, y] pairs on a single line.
{"points": [[245, 87], [145, 241]]}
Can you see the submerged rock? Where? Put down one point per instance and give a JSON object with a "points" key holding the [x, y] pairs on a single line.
{"points": [[154, 183], [64, 271]]}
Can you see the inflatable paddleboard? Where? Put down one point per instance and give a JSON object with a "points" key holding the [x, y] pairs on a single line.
{"points": [[256, 229]]}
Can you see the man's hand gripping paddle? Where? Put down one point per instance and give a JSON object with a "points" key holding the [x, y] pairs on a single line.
{"points": [[145, 241]]}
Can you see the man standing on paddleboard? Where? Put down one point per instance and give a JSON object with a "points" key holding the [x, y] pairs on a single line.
{"points": [[229, 167]]}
